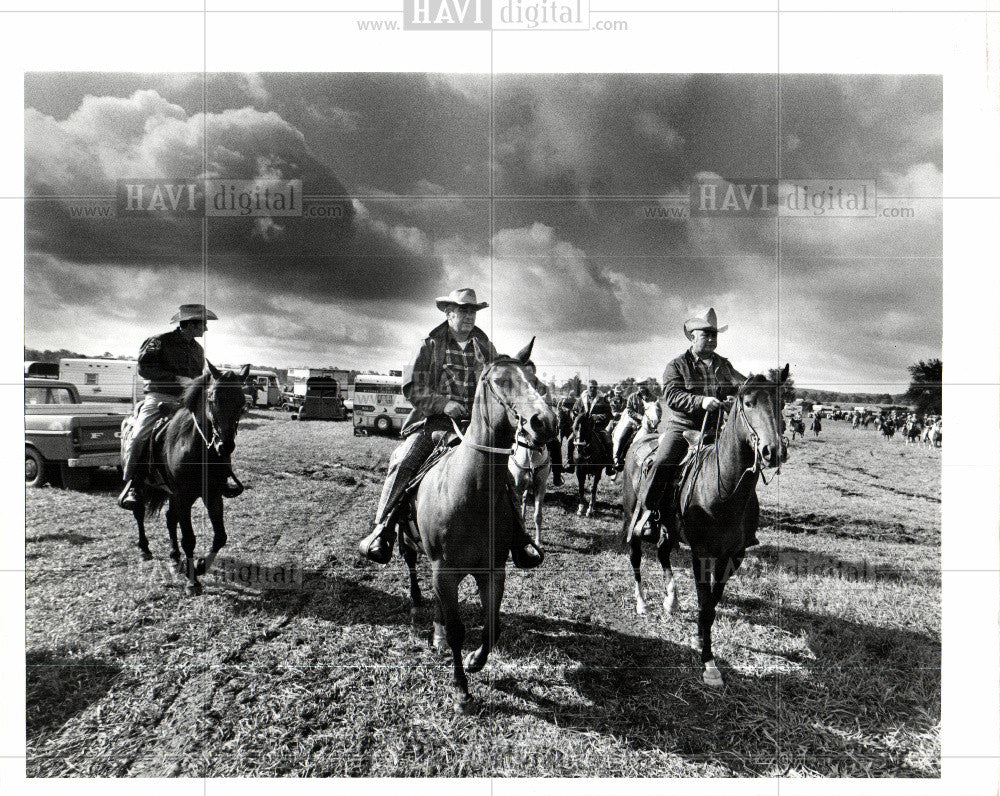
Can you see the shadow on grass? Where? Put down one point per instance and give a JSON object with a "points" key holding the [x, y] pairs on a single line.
{"points": [[60, 686], [813, 523], [72, 537], [831, 716], [803, 563]]}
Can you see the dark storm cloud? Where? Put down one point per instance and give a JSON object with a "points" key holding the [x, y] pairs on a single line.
{"points": [[580, 135], [350, 255]]}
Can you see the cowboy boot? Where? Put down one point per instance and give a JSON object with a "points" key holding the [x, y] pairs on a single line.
{"points": [[403, 465], [131, 496]]}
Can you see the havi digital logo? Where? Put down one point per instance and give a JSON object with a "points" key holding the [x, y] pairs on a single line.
{"points": [[447, 15]]}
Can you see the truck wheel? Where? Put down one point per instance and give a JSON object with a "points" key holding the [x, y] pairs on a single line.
{"points": [[74, 477], [383, 424], [34, 468]]}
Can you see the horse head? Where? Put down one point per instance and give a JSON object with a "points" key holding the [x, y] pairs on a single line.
{"points": [[514, 401], [225, 403], [757, 412]]}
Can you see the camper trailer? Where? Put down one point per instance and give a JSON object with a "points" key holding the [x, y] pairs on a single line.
{"points": [[103, 380]]}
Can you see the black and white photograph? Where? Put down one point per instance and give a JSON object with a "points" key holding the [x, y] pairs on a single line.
{"points": [[494, 423]]}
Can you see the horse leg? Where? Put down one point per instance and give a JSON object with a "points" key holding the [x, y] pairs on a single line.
{"points": [[635, 556], [581, 479], [446, 591], [188, 545], [175, 551], [539, 499], [214, 506], [416, 598], [593, 494], [139, 512], [670, 601], [491, 587], [706, 616]]}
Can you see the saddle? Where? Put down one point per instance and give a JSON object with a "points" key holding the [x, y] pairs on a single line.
{"points": [[645, 448], [407, 533], [152, 470]]}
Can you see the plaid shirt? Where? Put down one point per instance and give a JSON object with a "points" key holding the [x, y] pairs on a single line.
{"points": [[461, 372], [707, 383]]}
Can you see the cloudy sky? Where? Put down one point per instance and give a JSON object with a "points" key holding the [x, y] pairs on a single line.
{"points": [[562, 238]]}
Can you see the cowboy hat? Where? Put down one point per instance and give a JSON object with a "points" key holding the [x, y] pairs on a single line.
{"points": [[194, 312], [707, 321], [463, 297]]}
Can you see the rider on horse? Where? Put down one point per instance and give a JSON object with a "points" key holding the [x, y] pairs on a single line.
{"points": [[597, 407], [166, 363], [441, 385], [694, 385], [631, 420]]}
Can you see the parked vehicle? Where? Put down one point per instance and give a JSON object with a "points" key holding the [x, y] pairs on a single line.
{"points": [[102, 379], [64, 439], [264, 388], [322, 401], [43, 370], [379, 404]]}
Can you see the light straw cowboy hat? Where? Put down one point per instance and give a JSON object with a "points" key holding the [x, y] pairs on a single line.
{"points": [[194, 312], [463, 297], [707, 321]]}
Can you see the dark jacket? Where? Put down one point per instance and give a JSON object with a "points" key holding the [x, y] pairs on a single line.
{"points": [[683, 390], [166, 356], [422, 379]]}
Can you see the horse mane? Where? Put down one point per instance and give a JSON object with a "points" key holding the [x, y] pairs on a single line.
{"points": [[191, 399]]}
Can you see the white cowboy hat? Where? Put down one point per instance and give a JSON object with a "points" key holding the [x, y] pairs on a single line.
{"points": [[194, 312], [707, 321], [463, 297]]}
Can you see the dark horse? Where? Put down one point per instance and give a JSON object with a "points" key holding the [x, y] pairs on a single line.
{"points": [[798, 427], [193, 450], [464, 514], [590, 458], [716, 507]]}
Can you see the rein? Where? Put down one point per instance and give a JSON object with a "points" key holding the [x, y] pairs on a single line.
{"points": [[757, 468], [507, 408]]}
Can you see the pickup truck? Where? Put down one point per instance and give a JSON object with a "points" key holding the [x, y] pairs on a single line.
{"points": [[64, 439]]}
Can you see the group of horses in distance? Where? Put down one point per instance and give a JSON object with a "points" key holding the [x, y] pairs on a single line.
{"points": [[461, 513]]}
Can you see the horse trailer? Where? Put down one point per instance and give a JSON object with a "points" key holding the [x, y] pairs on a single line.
{"points": [[102, 379]]}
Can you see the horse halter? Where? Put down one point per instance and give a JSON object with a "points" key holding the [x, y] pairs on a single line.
{"points": [[508, 408], [758, 466], [216, 442]]}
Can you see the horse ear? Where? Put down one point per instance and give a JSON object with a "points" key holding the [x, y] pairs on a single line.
{"points": [[216, 373], [244, 372], [784, 373], [525, 353]]}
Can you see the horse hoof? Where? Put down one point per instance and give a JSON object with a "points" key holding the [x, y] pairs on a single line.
{"points": [[193, 589], [175, 556], [146, 555], [464, 703], [712, 676], [579, 512], [640, 608], [199, 567], [671, 606], [590, 512]]}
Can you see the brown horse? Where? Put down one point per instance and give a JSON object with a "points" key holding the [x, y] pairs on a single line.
{"points": [[464, 513], [716, 509], [194, 449], [590, 458]]}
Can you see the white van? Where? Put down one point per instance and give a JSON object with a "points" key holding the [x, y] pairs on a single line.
{"points": [[102, 379]]}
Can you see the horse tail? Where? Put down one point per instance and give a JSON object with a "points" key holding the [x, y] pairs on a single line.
{"points": [[155, 502]]}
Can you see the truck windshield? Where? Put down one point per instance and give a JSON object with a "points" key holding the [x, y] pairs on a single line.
{"points": [[47, 395]]}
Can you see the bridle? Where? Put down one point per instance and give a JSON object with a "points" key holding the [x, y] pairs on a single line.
{"points": [[216, 441], [756, 469], [509, 408]]}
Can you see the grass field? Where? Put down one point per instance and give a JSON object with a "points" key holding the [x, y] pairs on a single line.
{"points": [[828, 636]]}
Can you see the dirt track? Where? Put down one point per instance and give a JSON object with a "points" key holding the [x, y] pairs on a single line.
{"points": [[829, 635]]}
